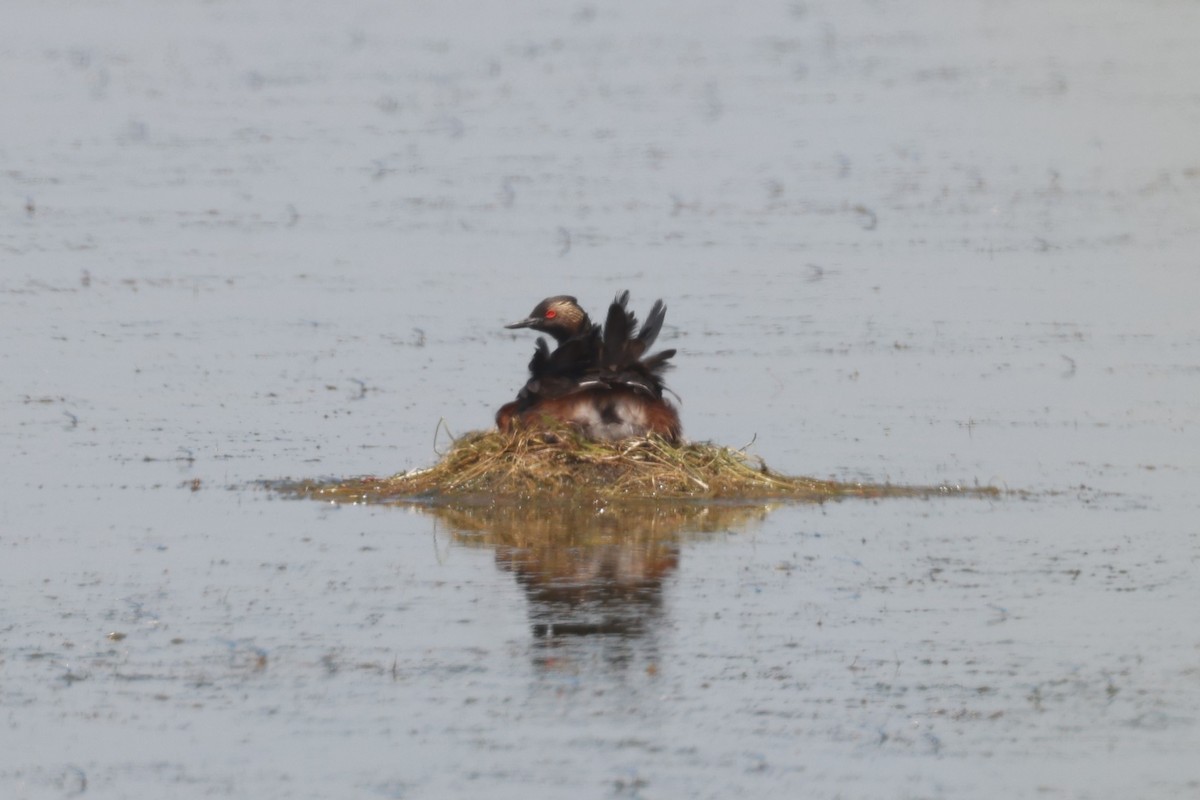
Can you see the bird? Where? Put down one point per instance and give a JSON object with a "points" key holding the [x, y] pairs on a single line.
{"points": [[597, 380]]}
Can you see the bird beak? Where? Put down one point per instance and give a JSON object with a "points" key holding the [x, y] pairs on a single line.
{"points": [[525, 323]]}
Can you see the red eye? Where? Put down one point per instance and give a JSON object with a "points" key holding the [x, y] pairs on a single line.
{"points": [[551, 314]]}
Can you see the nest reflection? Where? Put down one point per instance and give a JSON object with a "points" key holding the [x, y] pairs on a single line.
{"points": [[591, 569]]}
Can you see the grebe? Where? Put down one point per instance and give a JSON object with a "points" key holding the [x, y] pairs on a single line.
{"points": [[597, 380]]}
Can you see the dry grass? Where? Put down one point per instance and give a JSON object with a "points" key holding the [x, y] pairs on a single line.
{"points": [[561, 466]]}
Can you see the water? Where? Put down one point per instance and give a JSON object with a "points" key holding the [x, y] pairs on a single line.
{"points": [[898, 242]]}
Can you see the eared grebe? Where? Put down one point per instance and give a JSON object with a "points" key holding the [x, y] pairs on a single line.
{"points": [[596, 380]]}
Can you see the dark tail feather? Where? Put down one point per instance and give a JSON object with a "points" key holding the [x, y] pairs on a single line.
{"points": [[658, 362], [653, 325], [617, 330]]}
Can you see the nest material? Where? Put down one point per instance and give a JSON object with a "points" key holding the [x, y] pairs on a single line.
{"points": [[495, 466]]}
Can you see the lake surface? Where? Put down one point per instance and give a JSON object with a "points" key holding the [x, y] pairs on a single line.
{"points": [[911, 242]]}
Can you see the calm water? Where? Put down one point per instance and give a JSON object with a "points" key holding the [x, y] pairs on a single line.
{"points": [[910, 242]]}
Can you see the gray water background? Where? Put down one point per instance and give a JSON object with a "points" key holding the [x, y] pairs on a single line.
{"points": [[916, 241]]}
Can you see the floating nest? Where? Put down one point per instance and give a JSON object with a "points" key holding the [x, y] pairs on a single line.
{"points": [[498, 467]]}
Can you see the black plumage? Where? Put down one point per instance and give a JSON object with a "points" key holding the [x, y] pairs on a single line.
{"points": [[596, 378]]}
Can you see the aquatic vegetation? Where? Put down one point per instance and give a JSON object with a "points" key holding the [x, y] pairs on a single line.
{"points": [[495, 466]]}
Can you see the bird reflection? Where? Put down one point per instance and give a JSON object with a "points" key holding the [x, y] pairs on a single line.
{"points": [[613, 588], [591, 570]]}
